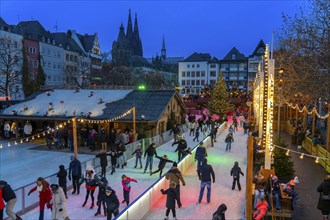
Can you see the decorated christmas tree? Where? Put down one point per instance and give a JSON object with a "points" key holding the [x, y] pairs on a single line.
{"points": [[219, 103]]}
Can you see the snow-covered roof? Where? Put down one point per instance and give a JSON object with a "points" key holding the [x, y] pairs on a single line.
{"points": [[68, 103]]}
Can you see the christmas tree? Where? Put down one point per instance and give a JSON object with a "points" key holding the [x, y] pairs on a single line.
{"points": [[219, 103]]}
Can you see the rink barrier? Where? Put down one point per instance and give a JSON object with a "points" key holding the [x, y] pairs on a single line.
{"points": [[143, 203], [27, 203]]}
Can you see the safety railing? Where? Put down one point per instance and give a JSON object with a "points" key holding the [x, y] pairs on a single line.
{"points": [[26, 203]]}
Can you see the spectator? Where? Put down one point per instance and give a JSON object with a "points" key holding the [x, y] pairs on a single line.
{"points": [[220, 213], [61, 175], [261, 209], [259, 190], [75, 173]]}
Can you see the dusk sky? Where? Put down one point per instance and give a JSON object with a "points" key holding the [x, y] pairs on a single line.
{"points": [[188, 26]]}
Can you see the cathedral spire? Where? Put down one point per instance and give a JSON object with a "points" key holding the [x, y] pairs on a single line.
{"points": [[129, 31], [136, 28], [163, 51]]}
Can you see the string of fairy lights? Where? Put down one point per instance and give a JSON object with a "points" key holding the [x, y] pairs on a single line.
{"points": [[314, 110], [60, 126]]}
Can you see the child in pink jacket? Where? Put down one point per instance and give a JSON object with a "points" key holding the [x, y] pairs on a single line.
{"points": [[126, 182], [261, 211]]}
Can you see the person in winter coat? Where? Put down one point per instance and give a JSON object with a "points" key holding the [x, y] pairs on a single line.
{"points": [[162, 162], [290, 190], [229, 139], [138, 156], [150, 152], [27, 129], [120, 154], [126, 183], [192, 127], [61, 175], [231, 129], [112, 203], [170, 200], [261, 209], [104, 140], [274, 191], [220, 213], [324, 200], [58, 203], [235, 172], [182, 146], [196, 135], [259, 190], [103, 161], [113, 155], [2, 205], [204, 174], [91, 180], [45, 195], [6, 130], [9, 197], [200, 154], [75, 172], [92, 138], [103, 185], [174, 175]]}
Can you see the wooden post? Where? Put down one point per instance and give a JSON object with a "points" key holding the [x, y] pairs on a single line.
{"points": [[290, 113], [134, 124], [249, 175], [75, 140], [328, 128], [313, 123]]}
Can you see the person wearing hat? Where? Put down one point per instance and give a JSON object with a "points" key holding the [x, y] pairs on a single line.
{"points": [[58, 202], [126, 183], [200, 154], [235, 173], [259, 190], [174, 175], [220, 213], [289, 189], [205, 173], [162, 162], [170, 200], [91, 180], [275, 192], [138, 156], [61, 175], [112, 203], [324, 200], [103, 185], [45, 195]]}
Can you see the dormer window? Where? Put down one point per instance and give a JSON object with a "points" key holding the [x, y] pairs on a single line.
{"points": [[233, 56]]}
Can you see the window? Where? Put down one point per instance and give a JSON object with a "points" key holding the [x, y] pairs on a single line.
{"points": [[71, 58], [197, 65], [34, 50], [71, 69], [198, 73], [193, 65], [75, 69], [188, 82], [233, 56], [183, 83], [192, 82], [183, 73], [49, 78], [30, 63], [188, 65], [212, 66], [213, 73], [224, 66], [54, 65], [188, 73], [202, 82], [233, 67], [197, 82], [35, 63], [192, 73], [203, 74], [49, 65], [67, 68], [75, 59], [67, 57]]}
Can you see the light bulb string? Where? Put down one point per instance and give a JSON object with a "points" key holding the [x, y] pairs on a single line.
{"points": [[95, 121], [297, 152], [308, 112]]}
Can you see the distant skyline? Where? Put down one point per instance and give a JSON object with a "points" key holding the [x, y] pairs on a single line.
{"points": [[212, 27]]}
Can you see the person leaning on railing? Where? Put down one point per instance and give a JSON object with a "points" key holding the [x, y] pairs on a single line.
{"points": [[9, 197]]}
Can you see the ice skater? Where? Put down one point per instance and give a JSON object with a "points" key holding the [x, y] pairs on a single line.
{"points": [[126, 183], [170, 200], [162, 162]]}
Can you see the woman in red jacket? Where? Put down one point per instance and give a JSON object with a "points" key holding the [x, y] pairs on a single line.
{"points": [[2, 205], [45, 195]]}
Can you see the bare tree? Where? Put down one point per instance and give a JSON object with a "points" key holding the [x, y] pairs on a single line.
{"points": [[10, 65], [303, 51]]}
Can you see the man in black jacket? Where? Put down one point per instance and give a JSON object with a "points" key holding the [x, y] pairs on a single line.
{"points": [[235, 172], [150, 152], [75, 172], [182, 145], [205, 172], [9, 197], [103, 161]]}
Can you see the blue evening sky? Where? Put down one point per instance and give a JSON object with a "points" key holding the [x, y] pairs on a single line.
{"points": [[188, 26]]}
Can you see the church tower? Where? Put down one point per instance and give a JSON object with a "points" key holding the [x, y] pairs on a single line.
{"points": [[137, 49], [163, 51]]}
